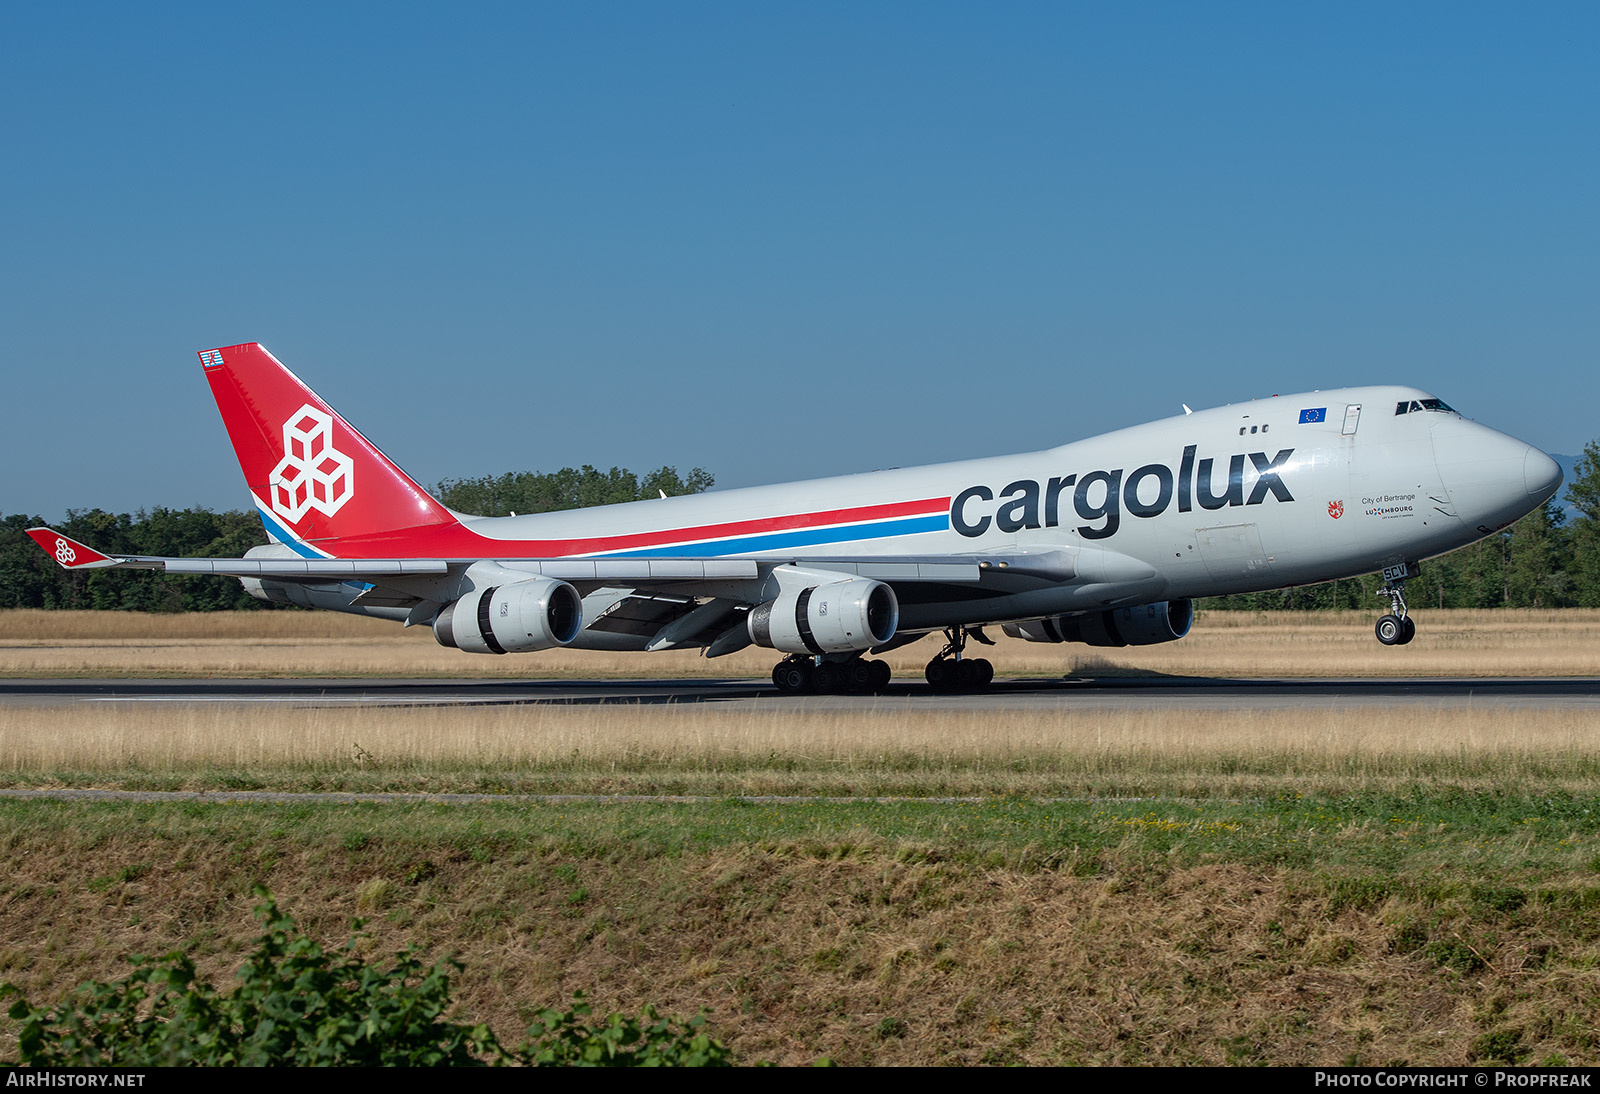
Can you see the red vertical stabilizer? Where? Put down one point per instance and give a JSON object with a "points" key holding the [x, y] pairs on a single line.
{"points": [[311, 472]]}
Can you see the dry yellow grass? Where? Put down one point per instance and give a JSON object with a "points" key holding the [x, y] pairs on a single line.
{"points": [[716, 750], [1448, 643]]}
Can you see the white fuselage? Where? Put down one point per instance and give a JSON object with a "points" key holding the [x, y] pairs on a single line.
{"points": [[1276, 492]]}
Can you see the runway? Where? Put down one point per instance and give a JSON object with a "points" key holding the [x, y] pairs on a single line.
{"points": [[1076, 693]]}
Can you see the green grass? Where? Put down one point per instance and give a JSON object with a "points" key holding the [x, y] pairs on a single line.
{"points": [[1419, 832], [1122, 773]]}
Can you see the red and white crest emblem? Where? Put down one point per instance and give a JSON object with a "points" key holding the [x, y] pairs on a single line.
{"points": [[1336, 509]]}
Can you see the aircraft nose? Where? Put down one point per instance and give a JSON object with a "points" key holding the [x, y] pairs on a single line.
{"points": [[1492, 479], [1541, 475]]}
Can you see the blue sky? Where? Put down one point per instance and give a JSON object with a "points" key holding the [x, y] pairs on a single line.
{"points": [[778, 241]]}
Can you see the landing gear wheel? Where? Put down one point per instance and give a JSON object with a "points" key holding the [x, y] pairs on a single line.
{"points": [[860, 674], [966, 675], [1391, 630], [792, 677], [1396, 628], [881, 672], [952, 672], [829, 678]]}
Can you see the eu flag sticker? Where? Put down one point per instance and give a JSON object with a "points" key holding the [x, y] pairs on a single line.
{"points": [[1316, 414]]}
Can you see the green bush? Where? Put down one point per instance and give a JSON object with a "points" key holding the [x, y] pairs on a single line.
{"points": [[299, 1005], [561, 1038]]}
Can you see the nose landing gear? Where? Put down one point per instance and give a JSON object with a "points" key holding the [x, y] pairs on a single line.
{"points": [[1397, 628]]}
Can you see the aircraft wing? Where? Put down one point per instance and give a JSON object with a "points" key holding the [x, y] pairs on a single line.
{"points": [[665, 602], [589, 572], [1055, 565], [1087, 565]]}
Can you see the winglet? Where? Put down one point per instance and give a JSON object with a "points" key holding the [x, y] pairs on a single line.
{"points": [[71, 554]]}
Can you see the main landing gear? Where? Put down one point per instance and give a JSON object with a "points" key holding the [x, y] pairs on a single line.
{"points": [[800, 673], [952, 672], [1397, 628]]}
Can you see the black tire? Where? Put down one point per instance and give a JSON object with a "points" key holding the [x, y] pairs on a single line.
{"points": [[828, 678], [966, 675], [881, 672], [1410, 630], [984, 673], [860, 674], [940, 674], [792, 677], [1390, 630]]}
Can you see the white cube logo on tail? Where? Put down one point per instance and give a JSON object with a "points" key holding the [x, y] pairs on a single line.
{"points": [[312, 474]]}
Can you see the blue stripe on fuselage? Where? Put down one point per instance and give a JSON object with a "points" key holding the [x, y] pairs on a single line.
{"points": [[773, 541], [779, 541]]}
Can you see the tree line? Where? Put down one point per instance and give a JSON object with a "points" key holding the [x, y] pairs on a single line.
{"points": [[1544, 560]]}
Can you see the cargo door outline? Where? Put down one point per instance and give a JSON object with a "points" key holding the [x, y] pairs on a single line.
{"points": [[1233, 551]]}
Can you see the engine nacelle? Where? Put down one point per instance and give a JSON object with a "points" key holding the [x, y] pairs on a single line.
{"points": [[1143, 625], [838, 617], [537, 614]]}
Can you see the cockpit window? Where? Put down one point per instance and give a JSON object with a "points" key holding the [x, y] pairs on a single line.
{"points": [[1417, 405]]}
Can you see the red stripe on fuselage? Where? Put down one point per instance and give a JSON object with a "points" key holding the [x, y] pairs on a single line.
{"points": [[461, 541]]}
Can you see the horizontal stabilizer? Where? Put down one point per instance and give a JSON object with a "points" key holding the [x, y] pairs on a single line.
{"points": [[73, 555]]}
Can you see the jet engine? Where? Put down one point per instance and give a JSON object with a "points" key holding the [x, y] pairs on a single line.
{"points": [[1142, 625], [839, 617], [536, 614]]}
